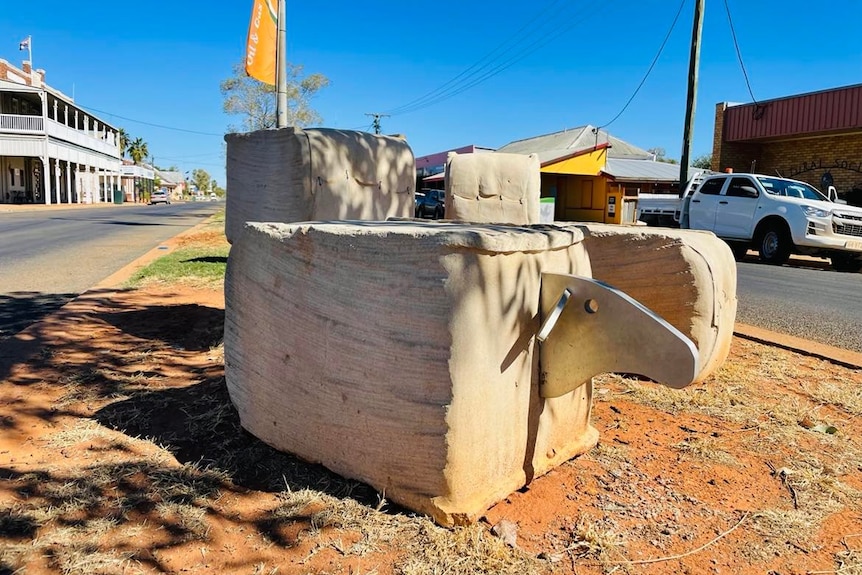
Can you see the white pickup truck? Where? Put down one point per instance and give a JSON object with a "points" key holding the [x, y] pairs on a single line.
{"points": [[665, 210], [776, 217]]}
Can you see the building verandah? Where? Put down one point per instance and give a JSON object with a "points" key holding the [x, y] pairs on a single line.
{"points": [[51, 150], [24, 181]]}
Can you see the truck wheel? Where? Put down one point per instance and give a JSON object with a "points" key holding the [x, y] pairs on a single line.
{"points": [[438, 213], [846, 263], [774, 245]]}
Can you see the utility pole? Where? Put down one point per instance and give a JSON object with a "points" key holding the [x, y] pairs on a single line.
{"points": [[281, 65], [376, 122], [691, 100]]}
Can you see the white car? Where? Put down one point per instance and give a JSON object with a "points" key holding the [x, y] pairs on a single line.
{"points": [[777, 216], [160, 197]]}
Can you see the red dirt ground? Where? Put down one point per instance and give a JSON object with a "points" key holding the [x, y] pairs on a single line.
{"points": [[120, 453]]}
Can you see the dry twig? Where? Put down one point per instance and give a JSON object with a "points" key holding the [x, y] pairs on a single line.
{"points": [[687, 553]]}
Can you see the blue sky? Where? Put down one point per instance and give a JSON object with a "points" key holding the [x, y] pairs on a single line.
{"points": [[576, 62]]}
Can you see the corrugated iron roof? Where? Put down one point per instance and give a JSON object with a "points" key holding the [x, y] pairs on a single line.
{"points": [[570, 142], [835, 110], [622, 169], [171, 177]]}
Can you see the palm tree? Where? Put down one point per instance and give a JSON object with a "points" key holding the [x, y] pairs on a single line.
{"points": [[122, 141], [138, 150]]}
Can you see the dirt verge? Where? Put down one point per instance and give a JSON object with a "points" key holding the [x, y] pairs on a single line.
{"points": [[120, 453]]}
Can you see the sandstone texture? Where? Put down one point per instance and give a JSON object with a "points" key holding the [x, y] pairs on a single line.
{"points": [[403, 355], [498, 188], [296, 175], [687, 277]]}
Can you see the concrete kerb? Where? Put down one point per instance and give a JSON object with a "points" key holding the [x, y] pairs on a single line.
{"points": [[118, 277], [9, 208], [844, 357], [847, 358], [23, 344]]}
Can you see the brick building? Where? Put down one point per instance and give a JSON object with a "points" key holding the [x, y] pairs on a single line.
{"points": [[815, 137]]}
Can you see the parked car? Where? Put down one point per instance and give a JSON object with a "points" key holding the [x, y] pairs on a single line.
{"points": [[213, 197], [777, 217], [418, 197], [431, 204], [160, 197]]}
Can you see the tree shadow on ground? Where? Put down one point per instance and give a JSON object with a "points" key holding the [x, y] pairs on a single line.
{"points": [[141, 371], [198, 424], [20, 309], [191, 327], [74, 505], [208, 260]]}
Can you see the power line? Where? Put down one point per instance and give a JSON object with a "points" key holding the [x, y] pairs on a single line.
{"points": [[738, 52], [483, 70], [480, 64], [650, 69], [517, 57], [192, 162], [172, 128]]}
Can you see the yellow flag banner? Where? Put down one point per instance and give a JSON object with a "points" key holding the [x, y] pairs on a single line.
{"points": [[261, 44]]}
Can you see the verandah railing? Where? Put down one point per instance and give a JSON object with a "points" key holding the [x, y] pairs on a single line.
{"points": [[17, 123]]}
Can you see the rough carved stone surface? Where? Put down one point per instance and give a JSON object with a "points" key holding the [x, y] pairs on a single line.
{"points": [[687, 277], [403, 355], [499, 188], [295, 175]]}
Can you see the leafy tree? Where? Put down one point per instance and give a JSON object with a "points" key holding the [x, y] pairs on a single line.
{"points": [[138, 150], [703, 162], [201, 179], [661, 156], [255, 102]]}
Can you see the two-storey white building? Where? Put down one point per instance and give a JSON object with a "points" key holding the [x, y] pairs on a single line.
{"points": [[52, 151]]}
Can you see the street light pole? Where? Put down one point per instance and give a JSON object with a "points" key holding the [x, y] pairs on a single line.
{"points": [[281, 65]]}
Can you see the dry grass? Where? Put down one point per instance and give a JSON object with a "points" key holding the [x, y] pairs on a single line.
{"points": [[707, 449], [82, 430], [591, 539], [72, 559], [849, 562], [729, 402], [422, 546], [186, 522], [182, 495], [846, 395], [63, 516]]}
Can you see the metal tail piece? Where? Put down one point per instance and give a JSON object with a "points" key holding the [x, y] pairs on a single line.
{"points": [[591, 328]]}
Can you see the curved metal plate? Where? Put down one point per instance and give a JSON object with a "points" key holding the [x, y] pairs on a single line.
{"points": [[603, 330]]}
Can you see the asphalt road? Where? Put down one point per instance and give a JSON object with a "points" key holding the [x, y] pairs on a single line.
{"points": [[804, 299], [50, 255]]}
